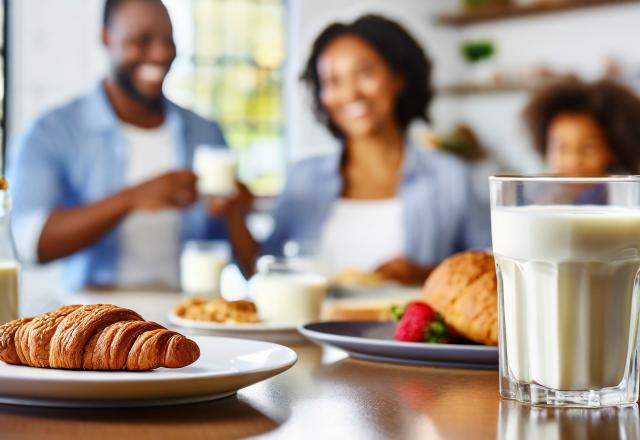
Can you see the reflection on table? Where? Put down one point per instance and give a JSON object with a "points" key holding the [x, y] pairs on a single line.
{"points": [[517, 421]]}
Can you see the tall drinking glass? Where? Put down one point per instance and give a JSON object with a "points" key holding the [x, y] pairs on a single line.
{"points": [[567, 254]]}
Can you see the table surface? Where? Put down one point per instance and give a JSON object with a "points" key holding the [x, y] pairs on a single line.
{"points": [[329, 395]]}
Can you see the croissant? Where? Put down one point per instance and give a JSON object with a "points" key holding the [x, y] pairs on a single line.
{"points": [[94, 337]]}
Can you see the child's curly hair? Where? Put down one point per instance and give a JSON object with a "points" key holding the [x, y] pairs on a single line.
{"points": [[614, 107]]}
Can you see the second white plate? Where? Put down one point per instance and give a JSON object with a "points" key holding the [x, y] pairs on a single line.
{"points": [[263, 331]]}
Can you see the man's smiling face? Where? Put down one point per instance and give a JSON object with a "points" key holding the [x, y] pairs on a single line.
{"points": [[139, 41]]}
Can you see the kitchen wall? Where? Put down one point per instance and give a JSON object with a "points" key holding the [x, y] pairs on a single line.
{"points": [[55, 54]]}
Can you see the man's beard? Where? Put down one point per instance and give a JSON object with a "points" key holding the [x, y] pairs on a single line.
{"points": [[125, 81]]}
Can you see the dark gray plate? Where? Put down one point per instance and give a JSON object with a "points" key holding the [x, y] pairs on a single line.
{"points": [[373, 340]]}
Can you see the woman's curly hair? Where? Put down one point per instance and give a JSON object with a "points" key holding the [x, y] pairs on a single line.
{"points": [[397, 48], [614, 107]]}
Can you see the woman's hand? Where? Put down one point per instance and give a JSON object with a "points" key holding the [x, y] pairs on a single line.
{"points": [[235, 206], [176, 189], [405, 271], [233, 211]]}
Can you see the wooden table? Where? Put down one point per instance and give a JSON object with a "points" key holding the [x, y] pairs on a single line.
{"points": [[328, 395]]}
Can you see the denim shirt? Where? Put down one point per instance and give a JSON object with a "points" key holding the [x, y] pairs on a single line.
{"points": [[441, 213], [76, 155]]}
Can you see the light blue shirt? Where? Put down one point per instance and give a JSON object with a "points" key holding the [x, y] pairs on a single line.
{"points": [[440, 210], [76, 155]]}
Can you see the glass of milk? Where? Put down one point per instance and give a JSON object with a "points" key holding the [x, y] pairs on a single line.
{"points": [[287, 290], [567, 254], [216, 170], [9, 266], [201, 266]]}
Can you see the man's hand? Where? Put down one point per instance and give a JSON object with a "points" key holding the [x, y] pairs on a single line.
{"points": [[68, 230], [176, 189], [405, 271], [234, 206]]}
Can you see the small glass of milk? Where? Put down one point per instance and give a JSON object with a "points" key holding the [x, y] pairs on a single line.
{"points": [[9, 265], [201, 266], [215, 167], [567, 252], [287, 290]]}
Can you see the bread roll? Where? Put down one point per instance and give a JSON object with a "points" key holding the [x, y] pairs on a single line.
{"points": [[463, 290]]}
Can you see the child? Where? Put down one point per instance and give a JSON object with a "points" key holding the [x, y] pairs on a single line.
{"points": [[586, 129]]}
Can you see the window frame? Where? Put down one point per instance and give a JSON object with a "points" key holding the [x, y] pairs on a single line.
{"points": [[4, 53]]}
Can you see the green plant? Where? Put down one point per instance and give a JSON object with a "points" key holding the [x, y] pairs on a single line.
{"points": [[475, 51], [471, 4]]}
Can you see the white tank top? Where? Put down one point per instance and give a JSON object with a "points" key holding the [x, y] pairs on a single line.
{"points": [[362, 235], [149, 241]]}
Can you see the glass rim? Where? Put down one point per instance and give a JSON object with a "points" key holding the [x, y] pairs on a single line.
{"points": [[568, 179]]}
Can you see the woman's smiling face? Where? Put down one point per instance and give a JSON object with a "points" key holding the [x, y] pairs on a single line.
{"points": [[358, 89]]}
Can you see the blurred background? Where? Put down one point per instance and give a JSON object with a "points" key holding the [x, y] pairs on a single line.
{"points": [[239, 62]]}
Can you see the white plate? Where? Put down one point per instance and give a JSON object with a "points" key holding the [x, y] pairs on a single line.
{"points": [[263, 331], [374, 341], [225, 366]]}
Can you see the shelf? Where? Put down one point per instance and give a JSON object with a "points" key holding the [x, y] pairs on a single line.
{"points": [[494, 13], [506, 86], [469, 89], [464, 89]]}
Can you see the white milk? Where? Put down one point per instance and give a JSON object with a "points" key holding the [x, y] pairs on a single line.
{"points": [[568, 277], [8, 292], [201, 270], [216, 171], [288, 298]]}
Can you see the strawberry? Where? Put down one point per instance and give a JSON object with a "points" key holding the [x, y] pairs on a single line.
{"points": [[417, 317]]}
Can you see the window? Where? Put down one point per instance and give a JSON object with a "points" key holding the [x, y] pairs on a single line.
{"points": [[230, 68]]}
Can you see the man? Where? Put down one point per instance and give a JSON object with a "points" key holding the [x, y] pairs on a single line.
{"points": [[104, 181]]}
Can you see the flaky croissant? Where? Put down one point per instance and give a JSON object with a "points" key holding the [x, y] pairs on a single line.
{"points": [[94, 337]]}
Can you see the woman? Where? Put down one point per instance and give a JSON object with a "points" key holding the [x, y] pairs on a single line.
{"points": [[380, 204], [586, 129]]}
